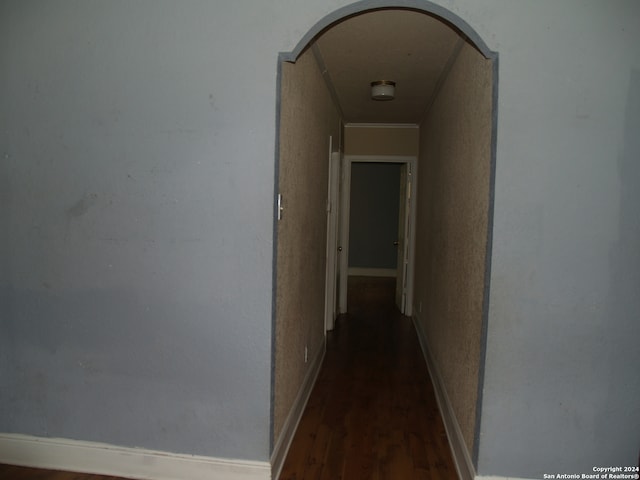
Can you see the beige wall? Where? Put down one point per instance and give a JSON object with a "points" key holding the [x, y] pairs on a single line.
{"points": [[453, 199], [380, 140], [307, 119]]}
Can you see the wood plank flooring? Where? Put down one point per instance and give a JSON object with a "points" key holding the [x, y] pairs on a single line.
{"points": [[372, 413]]}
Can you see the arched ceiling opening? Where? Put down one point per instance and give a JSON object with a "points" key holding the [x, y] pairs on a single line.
{"points": [[406, 46]]}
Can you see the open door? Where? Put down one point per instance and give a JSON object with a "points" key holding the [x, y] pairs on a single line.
{"points": [[332, 256], [401, 243], [404, 244], [406, 237], [343, 245]]}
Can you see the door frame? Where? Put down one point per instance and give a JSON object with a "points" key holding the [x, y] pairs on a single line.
{"points": [[333, 226], [345, 208]]}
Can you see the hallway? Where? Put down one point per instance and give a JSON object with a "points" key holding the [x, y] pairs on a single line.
{"points": [[372, 413]]}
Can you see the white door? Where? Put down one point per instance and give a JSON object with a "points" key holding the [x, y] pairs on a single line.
{"points": [[404, 234], [333, 211], [343, 238], [401, 242]]}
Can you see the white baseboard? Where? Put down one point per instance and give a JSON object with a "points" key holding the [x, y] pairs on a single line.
{"points": [[290, 426], [373, 272], [459, 451], [104, 459]]}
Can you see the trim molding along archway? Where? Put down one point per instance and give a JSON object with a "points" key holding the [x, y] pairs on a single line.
{"points": [[465, 465], [363, 6]]}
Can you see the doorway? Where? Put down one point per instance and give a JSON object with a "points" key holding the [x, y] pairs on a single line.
{"points": [[396, 248], [454, 108]]}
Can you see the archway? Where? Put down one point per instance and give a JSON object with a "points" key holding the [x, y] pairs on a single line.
{"points": [[310, 128]]}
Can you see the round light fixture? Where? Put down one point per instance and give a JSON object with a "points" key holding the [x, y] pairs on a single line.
{"points": [[383, 90]]}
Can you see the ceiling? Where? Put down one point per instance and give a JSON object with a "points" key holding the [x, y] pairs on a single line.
{"points": [[408, 47]]}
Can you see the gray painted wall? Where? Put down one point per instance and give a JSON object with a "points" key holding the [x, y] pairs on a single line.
{"points": [[373, 219], [137, 180], [562, 381], [137, 174]]}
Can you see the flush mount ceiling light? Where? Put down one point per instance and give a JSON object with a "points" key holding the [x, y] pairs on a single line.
{"points": [[383, 90]]}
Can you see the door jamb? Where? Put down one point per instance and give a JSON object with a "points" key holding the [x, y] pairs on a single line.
{"points": [[333, 225], [345, 207]]}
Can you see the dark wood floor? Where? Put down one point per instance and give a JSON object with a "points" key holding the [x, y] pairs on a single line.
{"points": [[372, 413]]}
